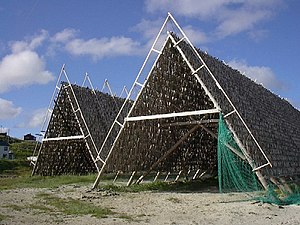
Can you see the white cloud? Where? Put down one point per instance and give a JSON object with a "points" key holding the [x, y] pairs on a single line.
{"points": [[233, 22], [104, 47], [97, 48], [33, 119], [37, 118], [148, 28], [22, 69], [30, 43], [64, 35], [189, 8], [195, 36], [4, 130], [258, 34], [260, 74], [230, 16], [8, 110]]}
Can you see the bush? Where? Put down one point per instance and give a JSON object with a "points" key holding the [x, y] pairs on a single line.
{"points": [[13, 166], [23, 149]]}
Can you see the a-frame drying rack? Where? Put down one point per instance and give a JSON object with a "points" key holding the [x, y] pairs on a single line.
{"points": [[171, 31], [80, 128]]}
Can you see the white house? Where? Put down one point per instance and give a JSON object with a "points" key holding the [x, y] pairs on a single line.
{"points": [[5, 153]]}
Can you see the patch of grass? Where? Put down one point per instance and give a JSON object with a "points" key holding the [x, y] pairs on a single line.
{"points": [[126, 217], [28, 181], [14, 207], [41, 207], [160, 186], [3, 217], [152, 186], [74, 207], [14, 167], [23, 149], [174, 200]]}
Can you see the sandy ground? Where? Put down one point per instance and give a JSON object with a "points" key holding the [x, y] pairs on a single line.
{"points": [[146, 208]]}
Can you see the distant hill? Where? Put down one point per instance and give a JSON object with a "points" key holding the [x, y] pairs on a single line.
{"points": [[10, 139], [22, 149]]}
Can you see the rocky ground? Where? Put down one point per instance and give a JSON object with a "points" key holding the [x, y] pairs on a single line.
{"points": [[47, 206]]}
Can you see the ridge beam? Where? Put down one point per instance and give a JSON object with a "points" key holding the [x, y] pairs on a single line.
{"points": [[170, 115]]}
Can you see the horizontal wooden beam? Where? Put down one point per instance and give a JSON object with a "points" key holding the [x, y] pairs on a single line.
{"points": [[63, 138], [170, 115], [194, 122]]}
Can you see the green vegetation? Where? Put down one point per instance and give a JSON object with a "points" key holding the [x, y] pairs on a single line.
{"points": [[127, 217], [190, 186], [174, 200], [27, 181], [2, 217], [72, 206], [9, 139], [14, 207], [51, 204], [41, 207], [23, 149], [19, 166], [17, 174], [14, 167]]}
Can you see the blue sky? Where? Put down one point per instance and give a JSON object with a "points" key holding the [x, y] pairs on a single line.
{"points": [[110, 39]]}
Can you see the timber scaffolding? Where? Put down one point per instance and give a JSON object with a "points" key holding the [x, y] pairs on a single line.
{"points": [[172, 124], [79, 118]]}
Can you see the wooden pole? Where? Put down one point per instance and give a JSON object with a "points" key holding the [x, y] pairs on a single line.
{"points": [[176, 179], [168, 174], [130, 179], [169, 152], [196, 174], [155, 178], [116, 176]]}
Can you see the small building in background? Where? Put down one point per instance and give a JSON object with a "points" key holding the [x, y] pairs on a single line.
{"points": [[29, 137], [3, 134]]}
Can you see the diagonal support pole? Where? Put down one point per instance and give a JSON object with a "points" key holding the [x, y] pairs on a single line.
{"points": [[169, 152]]}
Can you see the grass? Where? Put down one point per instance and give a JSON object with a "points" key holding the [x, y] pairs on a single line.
{"points": [[28, 181], [14, 167], [126, 217], [14, 207], [3, 217], [17, 174], [23, 149], [174, 200], [51, 204], [41, 207], [71, 206], [159, 186]]}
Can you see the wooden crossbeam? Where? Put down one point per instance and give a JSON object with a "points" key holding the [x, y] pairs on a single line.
{"points": [[194, 122], [170, 115], [239, 154], [64, 138]]}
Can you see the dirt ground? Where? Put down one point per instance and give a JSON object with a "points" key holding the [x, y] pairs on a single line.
{"points": [[17, 207]]}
